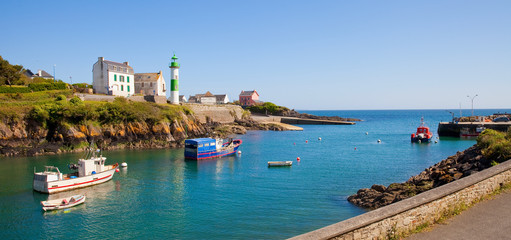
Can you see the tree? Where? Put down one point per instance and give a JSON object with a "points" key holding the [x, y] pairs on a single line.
{"points": [[11, 74]]}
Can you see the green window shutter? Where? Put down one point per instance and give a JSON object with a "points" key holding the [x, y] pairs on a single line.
{"points": [[128, 86], [128, 81], [115, 77], [122, 88]]}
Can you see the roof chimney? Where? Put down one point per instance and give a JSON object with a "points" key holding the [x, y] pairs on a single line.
{"points": [[101, 59], [126, 63], [39, 73]]}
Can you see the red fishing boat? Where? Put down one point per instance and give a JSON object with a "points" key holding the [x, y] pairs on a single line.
{"points": [[423, 134]]}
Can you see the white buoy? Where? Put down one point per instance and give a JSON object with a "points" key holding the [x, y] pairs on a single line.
{"points": [[436, 141], [367, 133], [319, 138], [124, 164], [239, 152], [379, 141]]}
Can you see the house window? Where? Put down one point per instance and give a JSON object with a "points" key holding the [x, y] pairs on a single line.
{"points": [[151, 84], [115, 78], [128, 79], [128, 88], [122, 87], [121, 78], [142, 84]]}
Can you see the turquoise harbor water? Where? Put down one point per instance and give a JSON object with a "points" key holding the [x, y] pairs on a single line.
{"points": [[162, 196]]}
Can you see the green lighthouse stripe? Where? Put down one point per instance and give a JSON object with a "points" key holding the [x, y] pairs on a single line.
{"points": [[174, 85]]}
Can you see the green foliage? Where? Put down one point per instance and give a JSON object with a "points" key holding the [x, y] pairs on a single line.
{"points": [[268, 108], [76, 101], [47, 86], [14, 89], [61, 98], [11, 74], [82, 85], [495, 145]]}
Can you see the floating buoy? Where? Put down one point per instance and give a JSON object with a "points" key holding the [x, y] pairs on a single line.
{"points": [[319, 138], [379, 141], [355, 148], [116, 170], [294, 143], [124, 164], [436, 141], [367, 133], [306, 141], [239, 152], [298, 159]]}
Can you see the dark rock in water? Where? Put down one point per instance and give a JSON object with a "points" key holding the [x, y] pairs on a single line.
{"points": [[460, 165], [379, 188]]}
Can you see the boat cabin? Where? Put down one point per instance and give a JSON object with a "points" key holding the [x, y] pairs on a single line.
{"points": [[424, 130], [199, 145]]}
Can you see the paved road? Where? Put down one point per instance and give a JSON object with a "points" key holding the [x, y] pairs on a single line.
{"points": [[490, 219]]}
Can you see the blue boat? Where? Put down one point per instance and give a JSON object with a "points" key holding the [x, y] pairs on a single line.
{"points": [[204, 148]]}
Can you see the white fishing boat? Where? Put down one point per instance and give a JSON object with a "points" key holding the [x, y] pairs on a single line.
{"points": [[280, 163], [90, 170], [63, 203]]}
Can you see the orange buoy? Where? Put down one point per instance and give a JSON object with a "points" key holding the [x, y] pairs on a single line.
{"points": [[298, 159], [116, 170]]}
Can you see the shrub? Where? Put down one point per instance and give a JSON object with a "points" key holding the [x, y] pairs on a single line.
{"points": [[36, 87], [495, 146], [14, 89]]}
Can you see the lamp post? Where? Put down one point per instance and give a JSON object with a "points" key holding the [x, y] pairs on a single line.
{"points": [[54, 65], [472, 98]]}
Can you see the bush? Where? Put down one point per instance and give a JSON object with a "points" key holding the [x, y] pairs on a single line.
{"points": [[37, 87], [495, 146], [14, 89]]}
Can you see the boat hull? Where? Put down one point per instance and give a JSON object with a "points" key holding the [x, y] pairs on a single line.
{"points": [[74, 183], [57, 204], [422, 140], [215, 154]]}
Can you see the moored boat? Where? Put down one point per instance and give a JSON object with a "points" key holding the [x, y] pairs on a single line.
{"points": [[280, 163], [90, 170], [63, 203], [204, 148], [423, 134]]}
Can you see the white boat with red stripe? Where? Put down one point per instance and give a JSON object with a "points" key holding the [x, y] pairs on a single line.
{"points": [[89, 171]]}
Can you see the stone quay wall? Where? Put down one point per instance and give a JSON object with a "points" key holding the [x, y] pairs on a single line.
{"points": [[425, 208], [223, 113]]}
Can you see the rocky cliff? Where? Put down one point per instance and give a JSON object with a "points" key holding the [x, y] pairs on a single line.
{"points": [[31, 138]]}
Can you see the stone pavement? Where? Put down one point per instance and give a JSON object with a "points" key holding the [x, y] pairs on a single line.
{"points": [[489, 219]]}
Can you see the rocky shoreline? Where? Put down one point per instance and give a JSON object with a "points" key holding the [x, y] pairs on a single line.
{"points": [[453, 168]]}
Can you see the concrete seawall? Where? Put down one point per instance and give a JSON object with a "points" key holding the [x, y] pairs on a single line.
{"points": [[289, 120], [425, 208], [449, 129]]}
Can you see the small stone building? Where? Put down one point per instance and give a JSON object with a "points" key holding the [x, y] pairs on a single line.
{"points": [[150, 84], [248, 98]]}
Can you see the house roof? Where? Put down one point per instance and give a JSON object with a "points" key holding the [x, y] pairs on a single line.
{"points": [[28, 73], [43, 74], [149, 77], [221, 97], [208, 94], [248, 93], [117, 64]]}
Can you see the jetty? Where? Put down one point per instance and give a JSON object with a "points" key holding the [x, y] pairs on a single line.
{"points": [[455, 129], [305, 121]]}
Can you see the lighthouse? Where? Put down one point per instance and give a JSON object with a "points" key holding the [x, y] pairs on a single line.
{"points": [[174, 81]]}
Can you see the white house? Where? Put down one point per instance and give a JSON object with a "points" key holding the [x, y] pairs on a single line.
{"points": [[222, 99], [150, 84], [113, 78]]}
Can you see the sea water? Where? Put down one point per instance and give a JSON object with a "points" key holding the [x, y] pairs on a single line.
{"points": [[161, 195]]}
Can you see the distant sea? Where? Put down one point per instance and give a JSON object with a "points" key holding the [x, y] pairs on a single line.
{"points": [[162, 196]]}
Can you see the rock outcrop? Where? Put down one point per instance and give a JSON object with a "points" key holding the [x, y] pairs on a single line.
{"points": [[454, 167], [31, 138]]}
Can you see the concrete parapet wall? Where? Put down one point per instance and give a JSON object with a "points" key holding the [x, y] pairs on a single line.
{"points": [[216, 113], [425, 208], [289, 120]]}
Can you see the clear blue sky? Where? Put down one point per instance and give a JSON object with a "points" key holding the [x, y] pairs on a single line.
{"points": [[300, 54]]}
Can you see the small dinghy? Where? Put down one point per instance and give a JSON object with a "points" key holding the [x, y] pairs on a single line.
{"points": [[63, 203], [280, 164]]}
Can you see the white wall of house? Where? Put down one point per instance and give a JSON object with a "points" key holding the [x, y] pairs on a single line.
{"points": [[208, 100], [113, 79]]}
